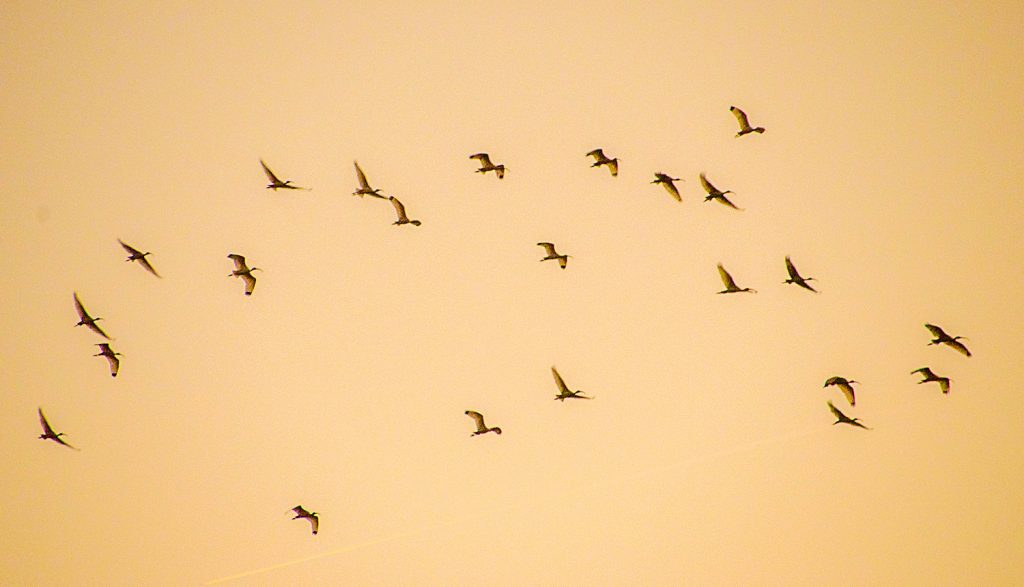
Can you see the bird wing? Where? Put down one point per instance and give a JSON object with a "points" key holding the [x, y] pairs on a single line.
{"points": [[478, 418], [270, 174], [936, 331], [314, 521], [47, 430], [834, 381], [399, 208], [562, 387], [483, 158], [925, 371], [707, 184], [741, 117], [82, 313], [499, 170], [549, 248], [613, 167], [671, 188], [726, 278], [96, 328], [115, 363], [793, 273], [147, 266], [300, 511], [250, 283], [721, 198], [944, 384], [835, 411], [597, 154], [847, 390], [362, 177], [959, 346], [239, 262], [130, 249]]}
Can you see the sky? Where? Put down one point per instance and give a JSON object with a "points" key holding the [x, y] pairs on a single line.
{"points": [[890, 171]]}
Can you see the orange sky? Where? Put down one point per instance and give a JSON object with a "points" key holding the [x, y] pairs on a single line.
{"points": [[890, 171]]}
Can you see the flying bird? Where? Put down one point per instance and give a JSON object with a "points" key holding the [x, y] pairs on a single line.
{"points": [[794, 276], [666, 181], [400, 209], [84, 319], [931, 376], [942, 338], [715, 193], [745, 127], [844, 385], [49, 434], [301, 512], [242, 270], [601, 159], [842, 418], [481, 428], [137, 255], [106, 351], [364, 186], [275, 183], [486, 165], [552, 254], [730, 284], [563, 389]]}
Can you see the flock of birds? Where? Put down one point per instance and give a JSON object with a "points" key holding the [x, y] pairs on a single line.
{"points": [[245, 273]]}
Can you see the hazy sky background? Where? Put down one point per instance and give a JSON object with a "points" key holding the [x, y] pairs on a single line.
{"points": [[890, 171]]}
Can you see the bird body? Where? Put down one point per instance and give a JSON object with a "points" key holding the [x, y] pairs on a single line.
{"points": [[275, 183], [364, 185], [400, 210], [745, 127], [553, 255], [84, 319], [601, 159], [842, 418], [137, 255], [845, 385], [715, 193], [301, 512], [481, 428], [242, 270], [563, 390], [730, 283], [942, 338], [794, 276], [667, 182], [930, 375], [106, 351], [485, 165], [49, 434]]}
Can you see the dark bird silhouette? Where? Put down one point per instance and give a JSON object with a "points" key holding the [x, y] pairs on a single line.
{"points": [[49, 434], [942, 338], [563, 389], [242, 270], [481, 428], [730, 284], [552, 254], [601, 159], [137, 255], [716, 194], [666, 181], [794, 276], [486, 165], [106, 351], [842, 418], [929, 375], [400, 209], [364, 186], [275, 183], [84, 319], [745, 127], [845, 385], [301, 512]]}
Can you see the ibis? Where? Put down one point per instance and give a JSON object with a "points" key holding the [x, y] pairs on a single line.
{"points": [[845, 385], [549, 248], [942, 338], [364, 186], [666, 181], [400, 210], [485, 165], [563, 389], [137, 255], [481, 428], [275, 183], [716, 194], [601, 159], [49, 434], [794, 276], [745, 127], [842, 418], [730, 283], [301, 512], [84, 319], [106, 351], [242, 270], [930, 375]]}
